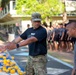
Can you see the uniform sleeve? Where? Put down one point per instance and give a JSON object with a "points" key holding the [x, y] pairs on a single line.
{"points": [[24, 35], [40, 35]]}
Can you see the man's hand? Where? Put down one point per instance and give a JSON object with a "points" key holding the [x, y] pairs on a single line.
{"points": [[73, 72], [10, 46], [7, 46], [2, 48]]}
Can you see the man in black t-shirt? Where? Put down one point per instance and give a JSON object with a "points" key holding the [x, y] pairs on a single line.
{"points": [[35, 37]]}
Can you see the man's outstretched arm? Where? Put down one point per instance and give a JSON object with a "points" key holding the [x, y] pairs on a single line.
{"points": [[12, 45], [9, 44]]}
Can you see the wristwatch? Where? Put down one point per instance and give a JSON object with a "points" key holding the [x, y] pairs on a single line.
{"points": [[17, 45]]}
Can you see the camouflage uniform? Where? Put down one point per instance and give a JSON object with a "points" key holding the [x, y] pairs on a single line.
{"points": [[36, 65]]}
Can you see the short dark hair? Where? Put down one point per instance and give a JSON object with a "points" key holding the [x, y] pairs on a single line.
{"points": [[72, 25], [45, 24], [60, 24]]}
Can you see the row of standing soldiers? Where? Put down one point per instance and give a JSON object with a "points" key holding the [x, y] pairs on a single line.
{"points": [[58, 39]]}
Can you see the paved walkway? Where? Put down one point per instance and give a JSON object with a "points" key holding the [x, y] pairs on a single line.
{"points": [[64, 56], [54, 66]]}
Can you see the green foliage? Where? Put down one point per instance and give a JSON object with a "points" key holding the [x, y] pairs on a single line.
{"points": [[46, 7]]}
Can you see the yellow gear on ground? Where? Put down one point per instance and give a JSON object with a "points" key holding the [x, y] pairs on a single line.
{"points": [[4, 57], [21, 73], [7, 70], [12, 71], [7, 64], [8, 61], [10, 68], [12, 57], [18, 70], [16, 67], [12, 63], [4, 69]]}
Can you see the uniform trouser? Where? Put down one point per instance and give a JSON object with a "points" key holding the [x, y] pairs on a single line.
{"points": [[36, 65]]}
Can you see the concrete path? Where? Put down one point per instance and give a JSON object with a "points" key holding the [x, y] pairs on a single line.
{"points": [[54, 65]]}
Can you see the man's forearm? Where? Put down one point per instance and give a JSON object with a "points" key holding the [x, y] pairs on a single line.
{"points": [[17, 40], [27, 41], [12, 45]]}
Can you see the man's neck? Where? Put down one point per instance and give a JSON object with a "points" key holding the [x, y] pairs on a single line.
{"points": [[36, 27]]}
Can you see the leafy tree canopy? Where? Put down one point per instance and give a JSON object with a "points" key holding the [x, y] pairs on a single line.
{"points": [[46, 7]]}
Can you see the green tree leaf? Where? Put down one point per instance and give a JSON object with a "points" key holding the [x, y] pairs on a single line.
{"points": [[47, 8]]}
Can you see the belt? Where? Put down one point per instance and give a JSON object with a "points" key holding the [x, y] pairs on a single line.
{"points": [[39, 56]]}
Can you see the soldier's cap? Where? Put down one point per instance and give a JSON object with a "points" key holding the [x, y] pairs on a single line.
{"points": [[36, 16]]}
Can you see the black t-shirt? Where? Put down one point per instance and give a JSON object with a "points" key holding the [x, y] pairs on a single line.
{"points": [[39, 47]]}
